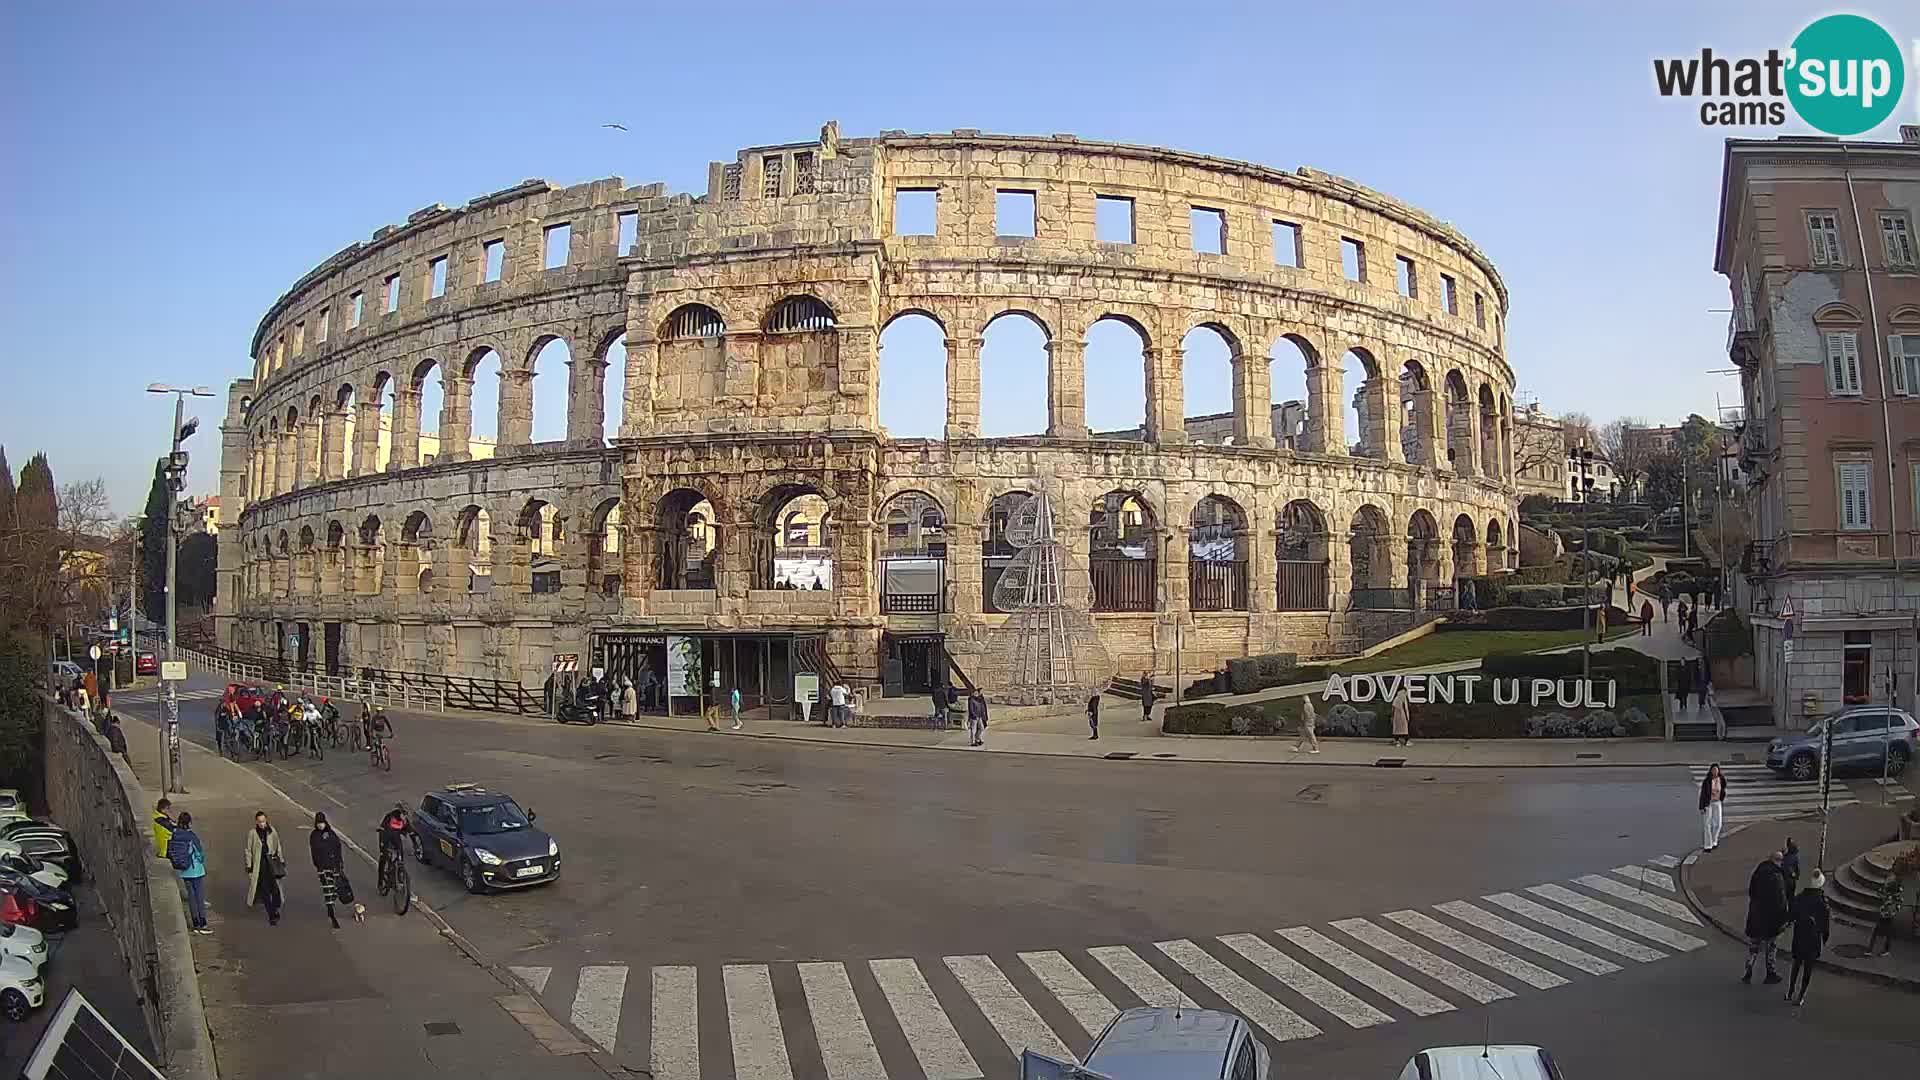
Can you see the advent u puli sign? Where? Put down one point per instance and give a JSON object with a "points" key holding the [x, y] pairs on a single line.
{"points": [[1463, 688]]}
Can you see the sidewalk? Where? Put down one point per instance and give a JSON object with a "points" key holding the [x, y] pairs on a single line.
{"points": [[390, 998], [1716, 886]]}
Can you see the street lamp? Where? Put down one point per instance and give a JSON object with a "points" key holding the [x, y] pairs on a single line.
{"points": [[1585, 454], [175, 469]]}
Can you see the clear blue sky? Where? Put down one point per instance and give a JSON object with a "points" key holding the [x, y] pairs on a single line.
{"points": [[171, 168]]}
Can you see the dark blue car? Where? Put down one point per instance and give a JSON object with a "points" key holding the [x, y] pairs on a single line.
{"points": [[484, 837]]}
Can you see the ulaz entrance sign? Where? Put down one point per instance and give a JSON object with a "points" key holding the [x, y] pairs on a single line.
{"points": [[1450, 688]]}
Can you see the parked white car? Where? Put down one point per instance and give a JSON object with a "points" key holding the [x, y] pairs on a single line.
{"points": [[46, 873], [1481, 1062], [24, 942], [22, 988]]}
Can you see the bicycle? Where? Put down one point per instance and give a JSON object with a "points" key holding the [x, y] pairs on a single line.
{"points": [[379, 757], [394, 880], [314, 749]]}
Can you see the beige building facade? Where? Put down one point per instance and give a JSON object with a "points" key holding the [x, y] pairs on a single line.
{"points": [[749, 318]]}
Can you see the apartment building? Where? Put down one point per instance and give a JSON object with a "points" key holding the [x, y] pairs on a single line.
{"points": [[1817, 243]]}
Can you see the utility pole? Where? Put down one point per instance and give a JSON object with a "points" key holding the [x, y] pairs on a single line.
{"points": [[172, 775]]}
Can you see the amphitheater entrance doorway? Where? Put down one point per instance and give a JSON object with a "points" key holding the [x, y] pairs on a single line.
{"points": [[331, 649], [912, 664], [640, 658]]}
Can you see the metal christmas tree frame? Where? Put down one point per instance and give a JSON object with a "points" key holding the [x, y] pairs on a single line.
{"points": [[1048, 651]]}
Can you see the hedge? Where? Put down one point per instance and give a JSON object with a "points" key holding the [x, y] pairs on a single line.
{"points": [[1516, 618], [1252, 673], [1207, 718], [1634, 670], [1480, 720], [1728, 635]]}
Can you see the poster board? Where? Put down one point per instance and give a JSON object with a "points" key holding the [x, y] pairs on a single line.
{"points": [[683, 666]]}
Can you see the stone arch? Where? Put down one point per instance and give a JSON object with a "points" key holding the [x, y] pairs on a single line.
{"points": [[370, 535], [1466, 547], [911, 554], [998, 550], [1838, 316], [1015, 347], [1296, 393], [1423, 551], [793, 542], [611, 375], [306, 538], [1365, 422], [1496, 546], [1459, 414], [280, 544], [1506, 438], [336, 536], [687, 532], [1123, 552], [914, 361], [1303, 558], [692, 322], [1370, 555], [473, 535], [801, 313], [426, 407], [1490, 454], [376, 447], [1218, 550], [1115, 377], [605, 541], [418, 529], [482, 383], [1211, 377], [543, 391], [1417, 422]]}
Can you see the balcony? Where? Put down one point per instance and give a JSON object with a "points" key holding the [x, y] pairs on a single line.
{"points": [[1756, 562], [1743, 344]]}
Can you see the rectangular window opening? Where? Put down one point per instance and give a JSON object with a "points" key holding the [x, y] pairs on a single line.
{"points": [[1406, 279], [1113, 219], [1856, 495], [1896, 232], [1823, 238], [1209, 229], [556, 241], [1353, 259], [916, 211], [1286, 244], [393, 293], [493, 260], [437, 277], [299, 337], [1480, 310], [320, 328], [358, 303], [1450, 294], [1013, 213], [629, 233], [772, 174], [1904, 352], [805, 173], [1843, 363]]}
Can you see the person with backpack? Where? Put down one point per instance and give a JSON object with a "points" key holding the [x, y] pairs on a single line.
{"points": [[189, 858]]}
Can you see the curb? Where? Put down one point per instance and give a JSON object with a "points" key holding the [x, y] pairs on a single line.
{"points": [[506, 978], [1883, 978]]}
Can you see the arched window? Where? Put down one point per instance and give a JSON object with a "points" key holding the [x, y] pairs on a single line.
{"points": [[1367, 551], [913, 560], [1416, 413], [690, 321], [913, 377], [1302, 566], [1360, 379], [603, 549], [1466, 548], [1123, 553], [794, 548], [1115, 378], [799, 315], [370, 532], [1459, 425], [689, 542], [1013, 375], [540, 529], [1293, 393], [473, 535], [1423, 551], [1207, 358], [1217, 556], [1001, 545]]}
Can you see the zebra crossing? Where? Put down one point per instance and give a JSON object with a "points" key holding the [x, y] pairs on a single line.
{"points": [[968, 1017], [1757, 793], [151, 694]]}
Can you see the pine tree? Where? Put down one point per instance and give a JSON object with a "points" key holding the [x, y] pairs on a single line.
{"points": [[153, 547], [6, 493]]}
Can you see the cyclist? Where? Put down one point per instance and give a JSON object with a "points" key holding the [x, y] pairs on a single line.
{"points": [[222, 724], [395, 829], [379, 730], [330, 720]]}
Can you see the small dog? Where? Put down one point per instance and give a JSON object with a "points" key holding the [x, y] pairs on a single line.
{"points": [[359, 912]]}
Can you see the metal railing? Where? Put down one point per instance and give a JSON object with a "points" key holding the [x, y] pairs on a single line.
{"points": [[896, 603], [1123, 584], [414, 691], [1216, 586], [1301, 585]]}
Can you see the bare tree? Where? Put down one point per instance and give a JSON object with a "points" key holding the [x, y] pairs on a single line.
{"points": [[1578, 429], [1625, 443], [1537, 446]]}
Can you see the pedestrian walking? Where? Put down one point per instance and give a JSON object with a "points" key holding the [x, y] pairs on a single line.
{"points": [[1646, 618], [1309, 738], [1402, 719], [629, 701], [117, 739], [1093, 714], [1790, 866], [837, 705], [1766, 914], [1600, 623], [1684, 691], [1146, 696], [329, 861], [162, 826], [1713, 798], [189, 858], [977, 719], [1666, 607], [733, 703], [1889, 910], [939, 705], [265, 867], [1812, 925]]}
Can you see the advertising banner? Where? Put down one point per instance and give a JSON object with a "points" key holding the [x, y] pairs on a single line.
{"points": [[683, 666]]}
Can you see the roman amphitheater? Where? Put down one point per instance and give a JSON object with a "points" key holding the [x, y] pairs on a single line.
{"points": [[747, 503]]}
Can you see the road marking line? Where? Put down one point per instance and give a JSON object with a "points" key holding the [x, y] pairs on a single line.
{"points": [[1625, 920], [1676, 911], [1668, 861], [935, 1044], [846, 1043], [1567, 924], [1532, 974], [1280, 1022], [1019, 1026], [536, 977], [1526, 938], [753, 1020], [1366, 972], [676, 1024], [1142, 978], [1646, 877], [596, 1004], [1305, 981], [1438, 968], [1090, 1008]]}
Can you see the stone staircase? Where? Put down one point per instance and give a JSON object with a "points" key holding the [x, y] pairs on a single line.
{"points": [[1853, 891]]}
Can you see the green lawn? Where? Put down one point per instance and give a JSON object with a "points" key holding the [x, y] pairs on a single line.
{"points": [[1444, 647]]}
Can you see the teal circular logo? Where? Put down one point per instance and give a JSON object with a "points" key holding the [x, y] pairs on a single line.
{"points": [[1847, 74]]}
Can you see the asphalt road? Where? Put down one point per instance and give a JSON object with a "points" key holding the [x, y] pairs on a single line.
{"points": [[700, 868]]}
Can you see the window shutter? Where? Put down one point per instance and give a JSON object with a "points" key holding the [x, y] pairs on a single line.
{"points": [[1836, 365], [1854, 496], [1897, 356], [1850, 345]]}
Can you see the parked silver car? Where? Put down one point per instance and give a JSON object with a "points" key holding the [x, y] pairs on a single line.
{"points": [[1866, 738], [1163, 1043]]}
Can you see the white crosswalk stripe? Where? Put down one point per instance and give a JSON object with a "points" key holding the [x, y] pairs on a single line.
{"points": [[1366, 972], [1625, 920], [1434, 967], [1282, 1023], [1644, 876], [676, 1024], [1659, 904], [1567, 924], [1668, 861], [846, 1043], [759, 1046], [1757, 793], [596, 1002], [929, 1033], [1090, 1008], [1532, 974], [1019, 1026], [1527, 939], [1142, 978], [1306, 982], [1357, 970]]}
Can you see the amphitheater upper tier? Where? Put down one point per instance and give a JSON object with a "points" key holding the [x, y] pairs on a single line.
{"points": [[751, 501]]}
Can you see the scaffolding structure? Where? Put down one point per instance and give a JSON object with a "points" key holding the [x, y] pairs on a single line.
{"points": [[1048, 652]]}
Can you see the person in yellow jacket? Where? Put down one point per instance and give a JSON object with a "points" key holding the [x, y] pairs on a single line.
{"points": [[162, 826]]}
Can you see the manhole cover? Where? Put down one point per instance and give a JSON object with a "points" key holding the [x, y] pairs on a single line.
{"points": [[1390, 763], [1118, 755], [441, 1027]]}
